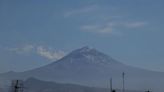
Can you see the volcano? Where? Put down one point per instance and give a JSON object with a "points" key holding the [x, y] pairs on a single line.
{"points": [[87, 66]]}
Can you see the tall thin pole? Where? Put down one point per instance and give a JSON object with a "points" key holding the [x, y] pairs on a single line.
{"points": [[111, 89], [16, 86], [123, 82]]}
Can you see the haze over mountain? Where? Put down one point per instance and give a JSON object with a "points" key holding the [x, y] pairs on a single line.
{"points": [[87, 66]]}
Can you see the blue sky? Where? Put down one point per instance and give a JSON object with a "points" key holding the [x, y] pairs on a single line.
{"points": [[34, 33]]}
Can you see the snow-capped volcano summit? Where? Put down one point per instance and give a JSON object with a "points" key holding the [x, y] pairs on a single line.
{"points": [[85, 49], [89, 55]]}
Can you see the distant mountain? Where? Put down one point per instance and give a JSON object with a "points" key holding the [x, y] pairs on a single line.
{"points": [[35, 85], [87, 66]]}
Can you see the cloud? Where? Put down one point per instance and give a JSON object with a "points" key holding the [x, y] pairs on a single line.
{"points": [[135, 24], [112, 27], [82, 10], [104, 19], [98, 28], [22, 49], [49, 54]]}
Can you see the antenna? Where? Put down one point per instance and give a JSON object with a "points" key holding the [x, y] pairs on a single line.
{"points": [[123, 82]]}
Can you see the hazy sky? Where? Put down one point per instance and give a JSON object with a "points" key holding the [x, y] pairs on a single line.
{"points": [[37, 32]]}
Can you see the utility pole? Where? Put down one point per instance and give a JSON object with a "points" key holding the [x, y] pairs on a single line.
{"points": [[111, 89], [17, 86], [123, 82]]}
